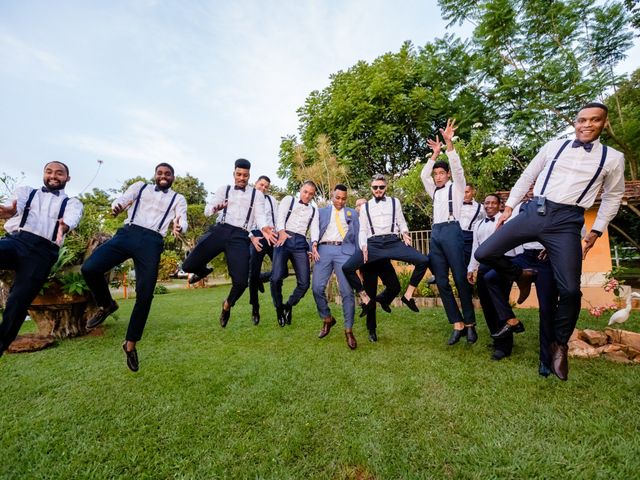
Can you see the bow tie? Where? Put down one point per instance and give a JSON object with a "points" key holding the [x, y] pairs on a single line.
{"points": [[381, 199], [160, 189], [489, 219], [305, 204], [48, 190], [467, 203], [578, 144], [235, 187]]}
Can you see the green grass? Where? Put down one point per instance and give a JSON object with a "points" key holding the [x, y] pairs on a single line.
{"points": [[268, 402]]}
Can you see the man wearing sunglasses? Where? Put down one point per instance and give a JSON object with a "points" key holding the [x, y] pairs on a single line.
{"points": [[381, 221]]}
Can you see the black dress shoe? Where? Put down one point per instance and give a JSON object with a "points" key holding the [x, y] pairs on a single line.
{"points": [[288, 313], [472, 335], [280, 315], [195, 278], [260, 286], [372, 336], [411, 303], [383, 303], [101, 315], [559, 361], [255, 317], [224, 316], [367, 307], [498, 355], [456, 335], [524, 282], [544, 370], [506, 328], [132, 358]]}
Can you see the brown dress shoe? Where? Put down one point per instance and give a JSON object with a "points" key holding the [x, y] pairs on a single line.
{"points": [[524, 282], [559, 361], [326, 327], [351, 340]]}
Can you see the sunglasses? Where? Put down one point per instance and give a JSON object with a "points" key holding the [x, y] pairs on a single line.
{"points": [[378, 187]]}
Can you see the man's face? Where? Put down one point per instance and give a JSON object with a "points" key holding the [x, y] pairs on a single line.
{"points": [[469, 193], [307, 192], [241, 177], [164, 177], [339, 199], [440, 176], [262, 186], [55, 176], [359, 203], [589, 124], [378, 188], [491, 206]]}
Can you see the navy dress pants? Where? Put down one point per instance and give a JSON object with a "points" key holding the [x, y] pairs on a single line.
{"points": [[295, 249], [384, 270], [467, 236], [492, 289], [559, 232], [31, 257], [255, 270], [446, 250], [144, 246]]}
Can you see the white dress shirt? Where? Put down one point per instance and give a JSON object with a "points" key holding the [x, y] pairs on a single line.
{"points": [[381, 218], [43, 213], [153, 207], [237, 208], [332, 234], [467, 214], [440, 196], [482, 231], [270, 212], [571, 174], [299, 219]]}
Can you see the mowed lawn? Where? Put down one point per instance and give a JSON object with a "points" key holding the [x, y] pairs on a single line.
{"points": [[271, 402]]}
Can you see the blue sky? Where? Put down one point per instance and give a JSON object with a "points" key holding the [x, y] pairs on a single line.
{"points": [[195, 84]]}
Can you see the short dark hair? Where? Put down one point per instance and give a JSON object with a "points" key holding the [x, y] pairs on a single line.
{"points": [[341, 187], [310, 182], [441, 164], [469, 184], [599, 105], [243, 163], [66, 169], [494, 195], [165, 165], [263, 177]]}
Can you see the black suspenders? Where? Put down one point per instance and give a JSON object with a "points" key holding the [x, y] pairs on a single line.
{"points": [[553, 164], [166, 214], [253, 197], [27, 209], [226, 199], [273, 217], [474, 217], [293, 201], [451, 203], [393, 216], [226, 202], [135, 209]]}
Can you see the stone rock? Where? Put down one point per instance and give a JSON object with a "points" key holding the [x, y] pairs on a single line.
{"points": [[581, 349], [623, 337], [632, 353], [617, 356], [576, 334], [594, 337], [30, 342]]}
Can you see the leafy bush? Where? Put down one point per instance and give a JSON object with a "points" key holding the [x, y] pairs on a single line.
{"points": [[169, 262], [160, 290]]}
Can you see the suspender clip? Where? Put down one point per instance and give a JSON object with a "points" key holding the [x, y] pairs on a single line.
{"points": [[541, 203]]}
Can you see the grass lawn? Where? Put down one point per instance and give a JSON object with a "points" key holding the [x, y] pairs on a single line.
{"points": [[271, 402]]}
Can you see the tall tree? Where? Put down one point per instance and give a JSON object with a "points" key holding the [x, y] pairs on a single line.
{"points": [[192, 188]]}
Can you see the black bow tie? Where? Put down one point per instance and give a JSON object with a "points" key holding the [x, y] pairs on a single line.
{"points": [[578, 144], [235, 187], [467, 203], [489, 219], [381, 199], [305, 204], [48, 190], [160, 189]]}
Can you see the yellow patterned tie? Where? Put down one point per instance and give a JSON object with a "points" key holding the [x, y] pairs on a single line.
{"points": [[339, 225]]}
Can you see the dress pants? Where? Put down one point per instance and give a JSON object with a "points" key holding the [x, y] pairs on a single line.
{"points": [[386, 247], [234, 242], [559, 232], [384, 270], [256, 277], [492, 288], [467, 236], [331, 260], [547, 293], [295, 249], [31, 257], [144, 246], [447, 252]]}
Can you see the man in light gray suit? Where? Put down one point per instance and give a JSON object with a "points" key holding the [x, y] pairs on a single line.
{"points": [[338, 240]]}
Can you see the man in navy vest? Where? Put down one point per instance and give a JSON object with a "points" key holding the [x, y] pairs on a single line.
{"points": [[150, 210], [37, 222], [568, 176], [338, 239]]}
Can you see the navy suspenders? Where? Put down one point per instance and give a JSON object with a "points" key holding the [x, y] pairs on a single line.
{"points": [[253, 197], [553, 164], [226, 202], [474, 217], [451, 203], [393, 216], [27, 209], [166, 213], [293, 201], [135, 209], [273, 217], [226, 199]]}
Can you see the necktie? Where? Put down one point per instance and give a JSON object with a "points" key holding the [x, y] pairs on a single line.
{"points": [[159, 189], [578, 144], [381, 199], [489, 219], [48, 190], [235, 187], [467, 203], [339, 224]]}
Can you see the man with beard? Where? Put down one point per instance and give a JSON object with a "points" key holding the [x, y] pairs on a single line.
{"points": [[37, 222], [260, 247], [568, 176], [150, 210], [238, 208]]}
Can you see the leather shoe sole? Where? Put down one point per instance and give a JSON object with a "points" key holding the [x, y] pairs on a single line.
{"points": [[506, 328], [101, 315], [132, 358], [524, 282]]}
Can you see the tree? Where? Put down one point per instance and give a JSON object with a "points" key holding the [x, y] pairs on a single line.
{"points": [[192, 188]]}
